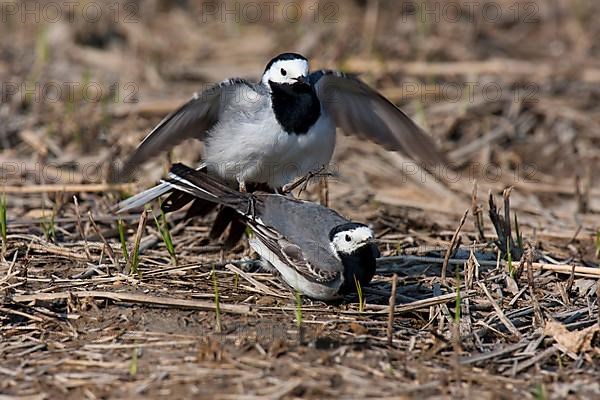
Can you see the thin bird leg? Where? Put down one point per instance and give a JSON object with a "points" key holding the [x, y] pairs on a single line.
{"points": [[242, 186], [251, 210], [251, 201], [305, 180]]}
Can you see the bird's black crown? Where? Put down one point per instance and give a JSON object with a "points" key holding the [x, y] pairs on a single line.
{"points": [[345, 227], [283, 57]]}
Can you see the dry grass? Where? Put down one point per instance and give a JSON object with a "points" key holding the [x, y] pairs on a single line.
{"points": [[75, 323]]}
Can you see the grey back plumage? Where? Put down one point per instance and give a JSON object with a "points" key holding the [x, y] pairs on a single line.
{"points": [[192, 120], [305, 224], [290, 221]]}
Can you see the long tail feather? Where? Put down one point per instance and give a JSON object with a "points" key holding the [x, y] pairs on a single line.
{"points": [[147, 196], [203, 186], [143, 198]]}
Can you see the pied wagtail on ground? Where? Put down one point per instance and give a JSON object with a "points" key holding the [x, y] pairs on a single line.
{"points": [[314, 249], [279, 128]]}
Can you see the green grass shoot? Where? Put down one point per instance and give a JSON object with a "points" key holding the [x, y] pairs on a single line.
{"points": [[135, 261], [519, 234], [422, 25], [133, 365], [559, 361], [299, 317], [134, 254], [217, 306], [236, 281], [298, 310], [42, 47], [598, 243], [42, 55], [540, 392], [165, 233], [361, 302], [48, 226], [3, 225], [121, 229], [511, 268]]}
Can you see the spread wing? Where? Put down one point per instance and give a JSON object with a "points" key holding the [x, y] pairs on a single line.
{"points": [[292, 255], [191, 120], [362, 111]]}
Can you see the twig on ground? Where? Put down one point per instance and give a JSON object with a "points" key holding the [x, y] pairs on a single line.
{"points": [[588, 272], [134, 298], [69, 188], [535, 359], [218, 326], [477, 212], [450, 249], [507, 323], [537, 311], [21, 314], [3, 225], [420, 304], [392, 303], [259, 286], [80, 229], [495, 353], [109, 249], [502, 225]]}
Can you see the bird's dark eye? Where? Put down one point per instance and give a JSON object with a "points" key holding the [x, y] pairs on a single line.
{"points": [[348, 238], [283, 72]]}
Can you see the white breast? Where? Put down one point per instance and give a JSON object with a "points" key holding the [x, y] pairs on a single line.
{"points": [[251, 146]]}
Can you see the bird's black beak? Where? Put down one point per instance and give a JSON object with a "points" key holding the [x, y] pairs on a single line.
{"points": [[302, 79], [376, 252], [372, 242]]}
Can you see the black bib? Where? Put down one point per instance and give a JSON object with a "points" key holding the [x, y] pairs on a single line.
{"points": [[296, 106]]}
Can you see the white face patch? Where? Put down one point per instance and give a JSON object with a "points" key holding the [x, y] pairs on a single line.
{"points": [[285, 71], [351, 240]]}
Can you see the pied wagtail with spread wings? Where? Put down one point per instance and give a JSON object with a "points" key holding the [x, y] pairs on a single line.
{"points": [[281, 127], [314, 249]]}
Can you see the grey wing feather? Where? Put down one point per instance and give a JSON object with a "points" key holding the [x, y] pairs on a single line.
{"points": [[296, 219], [295, 256], [191, 120], [360, 110]]}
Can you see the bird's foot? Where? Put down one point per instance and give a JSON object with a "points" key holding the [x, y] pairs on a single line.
{"points": [[305, 180]]}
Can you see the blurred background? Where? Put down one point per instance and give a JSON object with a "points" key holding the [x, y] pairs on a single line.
{"points": [[509, 89]]}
